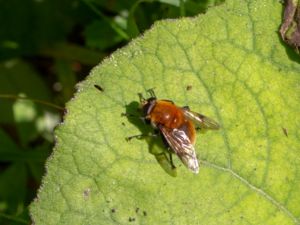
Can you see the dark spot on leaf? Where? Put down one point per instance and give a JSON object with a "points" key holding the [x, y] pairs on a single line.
{"points": [[189, 87], [137, 209], [285, 131], [86, 193], [99, 87], [131, 219], [144, 213], [123, 124], [113, 210]]}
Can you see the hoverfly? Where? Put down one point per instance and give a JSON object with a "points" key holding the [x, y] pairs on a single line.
{"points": [[177, 126]]}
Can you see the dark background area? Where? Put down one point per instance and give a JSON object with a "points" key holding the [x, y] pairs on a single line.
{"points": [[46, 47]]}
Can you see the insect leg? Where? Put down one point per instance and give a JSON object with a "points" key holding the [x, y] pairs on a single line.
{"points": [[132, 116], [151, 92], [139, 136], [141, 97], [128, 115]]}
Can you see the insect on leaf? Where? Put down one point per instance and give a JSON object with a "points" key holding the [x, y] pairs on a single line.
{"points": [[241, 76]]}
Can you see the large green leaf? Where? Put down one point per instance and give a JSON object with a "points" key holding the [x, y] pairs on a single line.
{"points": [[240, 74]]}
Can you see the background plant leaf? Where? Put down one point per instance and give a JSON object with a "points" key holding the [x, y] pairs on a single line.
{"points": [[18, 77], [239, 74]]}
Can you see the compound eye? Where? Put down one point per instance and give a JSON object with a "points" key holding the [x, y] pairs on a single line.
{"points": [[146, 109]]}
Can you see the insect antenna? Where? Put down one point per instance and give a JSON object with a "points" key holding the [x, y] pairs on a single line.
{"points": [[151, 92], [142, 99]]}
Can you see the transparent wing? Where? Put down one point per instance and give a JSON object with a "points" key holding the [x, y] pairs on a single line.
{"points": [[182, 146], [200, 120]]}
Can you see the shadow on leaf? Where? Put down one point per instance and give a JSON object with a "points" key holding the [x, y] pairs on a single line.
{"points": [[156, 145]]}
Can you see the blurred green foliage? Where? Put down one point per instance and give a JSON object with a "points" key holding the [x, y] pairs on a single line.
{"points": [[46, 47]]}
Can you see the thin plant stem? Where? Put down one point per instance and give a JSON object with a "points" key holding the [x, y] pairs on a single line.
{"points": [[113, 25], [15, 97], [12, 218]]}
